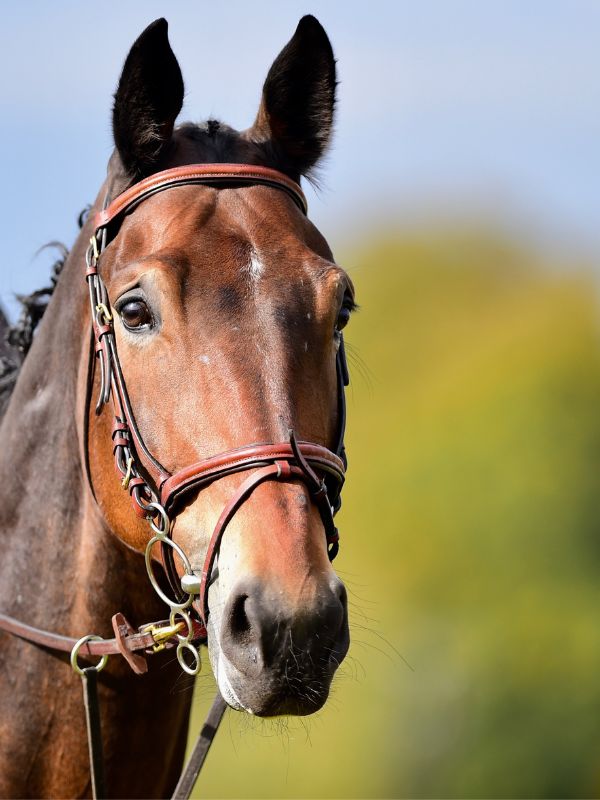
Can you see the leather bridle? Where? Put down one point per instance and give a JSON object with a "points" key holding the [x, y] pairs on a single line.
{"points": [[156, 494]]}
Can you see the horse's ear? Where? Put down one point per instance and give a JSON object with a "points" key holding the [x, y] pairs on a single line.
{"points": [[147, 101], [296, 113]]}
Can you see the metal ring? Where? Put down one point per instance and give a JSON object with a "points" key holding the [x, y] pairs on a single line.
{"points": [[75, 652], [185, 667], [103, 309], [136, 496], [186, 618], [164, 519], [148, 557]]}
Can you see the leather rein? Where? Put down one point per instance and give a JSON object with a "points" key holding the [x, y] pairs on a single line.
{"points": [[156, 494]]}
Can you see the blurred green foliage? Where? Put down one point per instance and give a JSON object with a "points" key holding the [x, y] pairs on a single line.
{"points": [[470, 546]]}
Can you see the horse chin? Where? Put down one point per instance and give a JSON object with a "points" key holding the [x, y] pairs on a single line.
{"points": [[268, 694]]}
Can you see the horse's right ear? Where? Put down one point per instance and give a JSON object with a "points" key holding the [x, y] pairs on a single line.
{"points": [[147, 101]]}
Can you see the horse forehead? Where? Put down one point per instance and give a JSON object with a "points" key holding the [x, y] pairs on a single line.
{"points": [[255, 233], [260, 213]]}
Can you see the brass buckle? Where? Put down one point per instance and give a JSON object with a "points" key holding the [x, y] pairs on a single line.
{"points": [[162, 633], [127, 476], [94, 244], [101, 308]]}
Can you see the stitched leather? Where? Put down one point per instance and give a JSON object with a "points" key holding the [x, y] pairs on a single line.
{"points": [[279, 470], [255, 455], [199, 173]]}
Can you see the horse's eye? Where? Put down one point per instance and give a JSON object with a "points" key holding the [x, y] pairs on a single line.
{"points": [[135, 314], [343, 318], [348, 306]]}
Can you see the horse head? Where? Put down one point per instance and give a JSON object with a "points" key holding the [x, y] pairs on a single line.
{"points": [[227, 309]]}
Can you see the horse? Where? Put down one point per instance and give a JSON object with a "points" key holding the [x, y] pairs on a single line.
{"points": [[216, 316]]}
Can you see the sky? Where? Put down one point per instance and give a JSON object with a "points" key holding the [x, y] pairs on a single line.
{"points": [[447, 110]]}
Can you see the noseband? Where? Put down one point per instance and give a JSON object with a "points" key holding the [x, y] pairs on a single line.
{"points": [[156, 494]]}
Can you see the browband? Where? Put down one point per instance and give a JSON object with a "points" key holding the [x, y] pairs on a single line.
{"points": [[209, 174]]}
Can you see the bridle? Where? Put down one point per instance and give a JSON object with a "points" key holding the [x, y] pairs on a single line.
{"points": [[157, 495]]}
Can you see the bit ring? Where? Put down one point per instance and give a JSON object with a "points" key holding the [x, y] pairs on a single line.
{"points": [[150, 570], [182, 663], [186, 618], [75, 653]]}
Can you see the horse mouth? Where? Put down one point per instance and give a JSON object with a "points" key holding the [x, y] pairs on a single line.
{"points": [[290, 689]]}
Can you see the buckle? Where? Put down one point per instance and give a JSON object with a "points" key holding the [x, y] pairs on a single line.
{"points": [[162, 633]]}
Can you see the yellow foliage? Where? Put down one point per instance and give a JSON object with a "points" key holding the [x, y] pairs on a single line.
{"points": [[470, 540]]}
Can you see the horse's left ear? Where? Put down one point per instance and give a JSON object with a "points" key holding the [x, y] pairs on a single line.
{"points": [[296, 113], [147, 101]]}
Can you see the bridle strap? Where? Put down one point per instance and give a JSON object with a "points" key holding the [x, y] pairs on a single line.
{"points": [[244, 491], [250, 457], [215, 174], [107, 223], [282, 469], [286, 461]]}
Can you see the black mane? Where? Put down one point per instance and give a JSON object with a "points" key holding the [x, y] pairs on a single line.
{"points": [[16, 340]]}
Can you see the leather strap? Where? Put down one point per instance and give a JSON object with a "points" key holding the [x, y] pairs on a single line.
{"points": [[232, 506], [89, 679], [255, 455], [205, 738], [132, 642], [280, 470], [286, 461], [210, 174]]}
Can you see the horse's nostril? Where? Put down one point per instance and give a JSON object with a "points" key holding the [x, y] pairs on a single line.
{"points": [[259, 627], [239, 622], [242, 633]]}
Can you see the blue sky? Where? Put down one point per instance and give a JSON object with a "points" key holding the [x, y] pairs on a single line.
{"points": [[446, 110]]}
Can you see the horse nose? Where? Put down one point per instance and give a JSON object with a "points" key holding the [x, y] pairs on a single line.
{"points": [[260, 629]]}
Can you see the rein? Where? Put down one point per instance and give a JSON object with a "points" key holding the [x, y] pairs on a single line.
{"points": [[156, 494]]}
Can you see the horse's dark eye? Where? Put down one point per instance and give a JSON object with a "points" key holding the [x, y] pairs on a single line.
{"points": [[135, 314], [343, 318]]}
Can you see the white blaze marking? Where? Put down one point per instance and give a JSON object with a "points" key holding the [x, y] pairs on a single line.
{"points": [[255, 267]]}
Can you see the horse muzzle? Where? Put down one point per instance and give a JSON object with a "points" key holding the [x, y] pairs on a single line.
{"points": [[272, 656]]}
